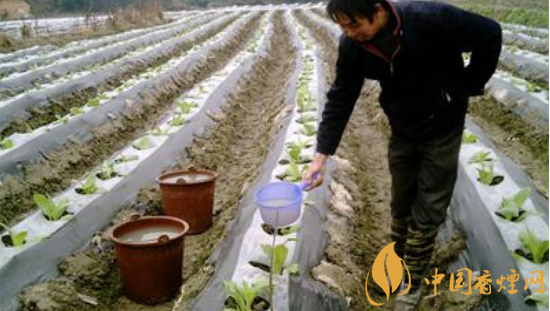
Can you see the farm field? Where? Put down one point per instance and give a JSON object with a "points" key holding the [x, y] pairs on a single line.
{"points": [[85, 130]]}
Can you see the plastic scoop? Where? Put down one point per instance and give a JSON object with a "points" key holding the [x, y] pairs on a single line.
{"points": [[280, 202]]}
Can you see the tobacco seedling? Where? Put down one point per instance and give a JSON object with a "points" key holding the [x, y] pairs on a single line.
{"points": [[480, 157], [309, 129], [143, 143], [305, 103], [298, 144], [306, 119], [511, 208], [290, 230], [94, 102], [89, 186], [486, 174], [107, 170], [6, 144], [77, 111], [292, 173], [51, 210], [294, 153], [177, 120], [469, 138], [61, 120], [539, 299], [531, 88], [243, 295], [531, 243], [252, 47], [293, 269], [160, 131], [278, 256], [185, 107], [17, 239]]}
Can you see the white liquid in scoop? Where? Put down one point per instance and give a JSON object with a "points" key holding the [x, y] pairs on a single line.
{"points": [[276, 203]]}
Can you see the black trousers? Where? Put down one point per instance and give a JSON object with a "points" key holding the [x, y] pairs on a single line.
{"points": [[423, 177]]}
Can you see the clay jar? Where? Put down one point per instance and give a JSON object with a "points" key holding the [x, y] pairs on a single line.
{"points": [[149, 253], [189, 195]]}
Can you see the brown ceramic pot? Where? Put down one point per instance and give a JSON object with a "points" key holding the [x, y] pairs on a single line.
{"points": [[189, 195], [149, 253]]}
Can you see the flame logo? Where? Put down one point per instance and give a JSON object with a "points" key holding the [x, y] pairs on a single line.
{"points": [[387, 258]]}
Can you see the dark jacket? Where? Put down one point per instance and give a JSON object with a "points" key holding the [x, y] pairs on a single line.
{"points": [[425, 87]]}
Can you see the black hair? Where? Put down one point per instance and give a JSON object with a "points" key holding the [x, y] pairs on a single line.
{"points": [[354, 8]]}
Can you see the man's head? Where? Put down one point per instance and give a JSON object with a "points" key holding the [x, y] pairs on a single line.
{"points": [[360, 20]]}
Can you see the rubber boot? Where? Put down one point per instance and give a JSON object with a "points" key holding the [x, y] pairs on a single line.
{"points": [[399, 231], [418, 254]]}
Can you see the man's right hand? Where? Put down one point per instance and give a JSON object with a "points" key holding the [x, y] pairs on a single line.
{"points": [[317, 169]]}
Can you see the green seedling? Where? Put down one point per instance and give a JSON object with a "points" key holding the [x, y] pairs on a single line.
{"points": [[243, 295], [94, 102], [469, 138], [486, 173], [293, 269], [512, 207], [309, 129], [305, 102], [120, 88], [278, 256], [530, 242], [539, 299], [481, 157], [6, 144], [294, 152], [177, 120], [17, 238], [531, 88], [160, 132], [290, 230], [298, 144], [77, 111], [143, 144], [51, 210], [89, 186], [292, 173], [185, 107], [107, 170], [252, 47], [61, 120], [306, 119]]}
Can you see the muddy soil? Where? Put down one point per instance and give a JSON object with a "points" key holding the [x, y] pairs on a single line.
{"points": [[57, 169], [235, 147], [62, 105], [361, 204]]}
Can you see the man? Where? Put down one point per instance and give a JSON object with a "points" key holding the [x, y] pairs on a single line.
{"points": [[414, 49]]}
